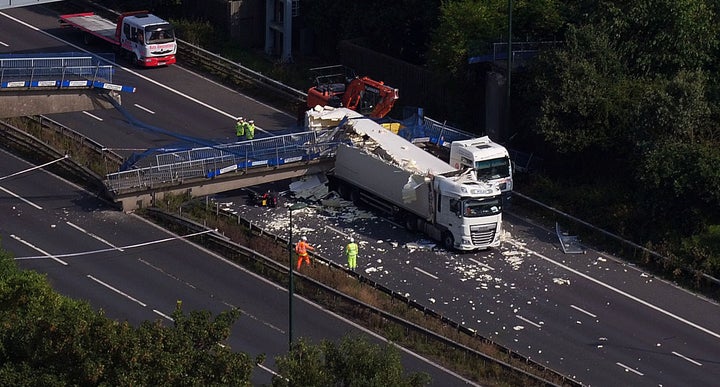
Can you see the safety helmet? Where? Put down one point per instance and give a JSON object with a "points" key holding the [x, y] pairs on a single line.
{"points": [[304, 238], [239, 118], [352, 239], [252, 121]]}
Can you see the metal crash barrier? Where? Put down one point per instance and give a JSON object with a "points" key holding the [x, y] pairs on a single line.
{"points": [[210, 162]]}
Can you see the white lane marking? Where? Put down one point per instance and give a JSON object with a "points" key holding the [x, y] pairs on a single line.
{"points": [[269, 370], [687, 358], [47, 255], [528, 321], [620, 292], [94, 236], [337, 231], [583, 311], [163, 315], [144, 108], [320, 308], [118, 291], [16, 196], [154, 82], [424, 272], [4, 44], [276, 110], [482, 264], [629, 369], [120, 248], [34, 168], [92, 115]]}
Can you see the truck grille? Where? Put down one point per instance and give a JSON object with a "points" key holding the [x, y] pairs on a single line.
{"points": [[482, 234]]}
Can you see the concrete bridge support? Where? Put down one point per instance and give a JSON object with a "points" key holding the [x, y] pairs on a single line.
{"points": [[27, 103]]}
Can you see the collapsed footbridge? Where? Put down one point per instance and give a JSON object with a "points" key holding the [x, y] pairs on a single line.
{"points": [[213, 169]]}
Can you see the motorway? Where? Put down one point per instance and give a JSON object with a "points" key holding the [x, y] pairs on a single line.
{"points": [[591, 317], [56, 228], [135, 271]]}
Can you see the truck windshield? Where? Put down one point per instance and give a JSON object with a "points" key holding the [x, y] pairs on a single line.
{"points": [[493, 169], [473, 208], [163, 33]]}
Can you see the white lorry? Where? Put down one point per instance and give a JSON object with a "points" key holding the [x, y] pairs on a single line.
{"points": [[489, 160], [383, 170], [148, 40]]}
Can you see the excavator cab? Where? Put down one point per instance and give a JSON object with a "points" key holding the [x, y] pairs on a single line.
{"points": [[338, 86], [330, 83]]}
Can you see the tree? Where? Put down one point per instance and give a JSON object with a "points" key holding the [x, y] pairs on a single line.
{"points": [[352, 362], [51, 340], [470, 27], [400, 28]]}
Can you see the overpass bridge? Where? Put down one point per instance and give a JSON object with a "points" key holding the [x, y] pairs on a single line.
{"points": [[7, 4], [208, 170], [56, 83]]}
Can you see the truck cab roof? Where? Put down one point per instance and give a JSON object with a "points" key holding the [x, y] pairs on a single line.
{"points": [[144, 20]]}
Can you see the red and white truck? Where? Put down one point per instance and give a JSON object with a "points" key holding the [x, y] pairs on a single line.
{"points": [[148, 40]]}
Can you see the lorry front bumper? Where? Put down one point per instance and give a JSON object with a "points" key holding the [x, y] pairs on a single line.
{"points": [[158, 61]]}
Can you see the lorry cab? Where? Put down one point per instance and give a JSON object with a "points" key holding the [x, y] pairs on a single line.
{"points": [[471, 213], [149, 39], [490, 161]]}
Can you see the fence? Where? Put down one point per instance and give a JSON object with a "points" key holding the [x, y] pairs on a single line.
{"points": [[254, 258], [209, 162], [53, 70]]}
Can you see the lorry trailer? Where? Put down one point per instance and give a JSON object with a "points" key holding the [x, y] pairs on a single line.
{"points": [[375, 167]]}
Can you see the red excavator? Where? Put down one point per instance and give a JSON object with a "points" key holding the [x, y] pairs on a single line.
{"points": [[338, 86]]}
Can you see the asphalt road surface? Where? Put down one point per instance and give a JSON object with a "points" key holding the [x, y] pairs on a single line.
{"points": [[590, 316], [135, 271]]}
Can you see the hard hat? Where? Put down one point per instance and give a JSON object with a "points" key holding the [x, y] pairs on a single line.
{"points": [[251, 121], [304, 238], [352, 239], [239, 118]]}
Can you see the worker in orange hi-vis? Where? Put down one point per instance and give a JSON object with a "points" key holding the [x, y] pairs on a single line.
{"points": [[301, 248]]}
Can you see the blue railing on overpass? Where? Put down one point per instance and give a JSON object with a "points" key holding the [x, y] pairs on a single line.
{"points": [[210, 162], [56, 71]]}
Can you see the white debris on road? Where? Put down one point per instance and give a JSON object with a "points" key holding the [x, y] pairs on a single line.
{"points": [[312, 187]]}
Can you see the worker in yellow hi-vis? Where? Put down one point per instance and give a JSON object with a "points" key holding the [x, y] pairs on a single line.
{"points": [[351, 250], [240, 128], [250, 130]]}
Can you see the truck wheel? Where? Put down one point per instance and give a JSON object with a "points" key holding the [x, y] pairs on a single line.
{"points": [[410, 223], [344, 191], [355, 196], [447, 240]]}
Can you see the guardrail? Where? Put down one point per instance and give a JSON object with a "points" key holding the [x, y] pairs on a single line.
{"points": [[210, 162], [235, 71], [231, 249], [57, 70], [639, 252]]}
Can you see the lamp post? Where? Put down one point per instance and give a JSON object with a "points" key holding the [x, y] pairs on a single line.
{"points": [[291, 283], [509, 69]]}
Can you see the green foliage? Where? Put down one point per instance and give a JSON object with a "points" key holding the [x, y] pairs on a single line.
{"points": [[631, 91], [466, 26], [50, 340], [661, 37], [400, 28], [470, 27], [352, 362], [581, 93], [705, 247], [197, 32]]}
